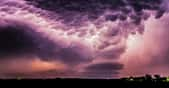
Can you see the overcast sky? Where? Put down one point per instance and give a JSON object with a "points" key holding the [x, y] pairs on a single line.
{"points": [[83, 38]]}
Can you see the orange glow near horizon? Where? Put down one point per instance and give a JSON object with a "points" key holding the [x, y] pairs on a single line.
{"points": [[39, 65]]}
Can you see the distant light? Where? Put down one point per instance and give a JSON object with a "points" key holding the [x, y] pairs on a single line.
{"points": [[167, 79], [131, 79], [19, 78]]}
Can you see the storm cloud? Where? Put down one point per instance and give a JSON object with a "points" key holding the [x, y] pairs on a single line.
{"points": [[101, 70], [153, 50], [119, 9], [21, 39], [88, 37]]}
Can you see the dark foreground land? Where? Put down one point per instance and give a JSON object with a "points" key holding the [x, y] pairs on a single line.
{"points": [[146, 81]]}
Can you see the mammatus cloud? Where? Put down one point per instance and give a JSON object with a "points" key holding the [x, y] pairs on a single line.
{"points": [[119, 9], [84, 40]]}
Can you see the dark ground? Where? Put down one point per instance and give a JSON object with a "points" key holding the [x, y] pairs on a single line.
{"points": [[146, 81]]}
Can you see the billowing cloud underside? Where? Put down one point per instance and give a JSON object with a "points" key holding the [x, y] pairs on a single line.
{"points": [[92, 32]]}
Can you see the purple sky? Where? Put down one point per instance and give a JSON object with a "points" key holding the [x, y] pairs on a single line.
{"points": [[130, 38]]}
